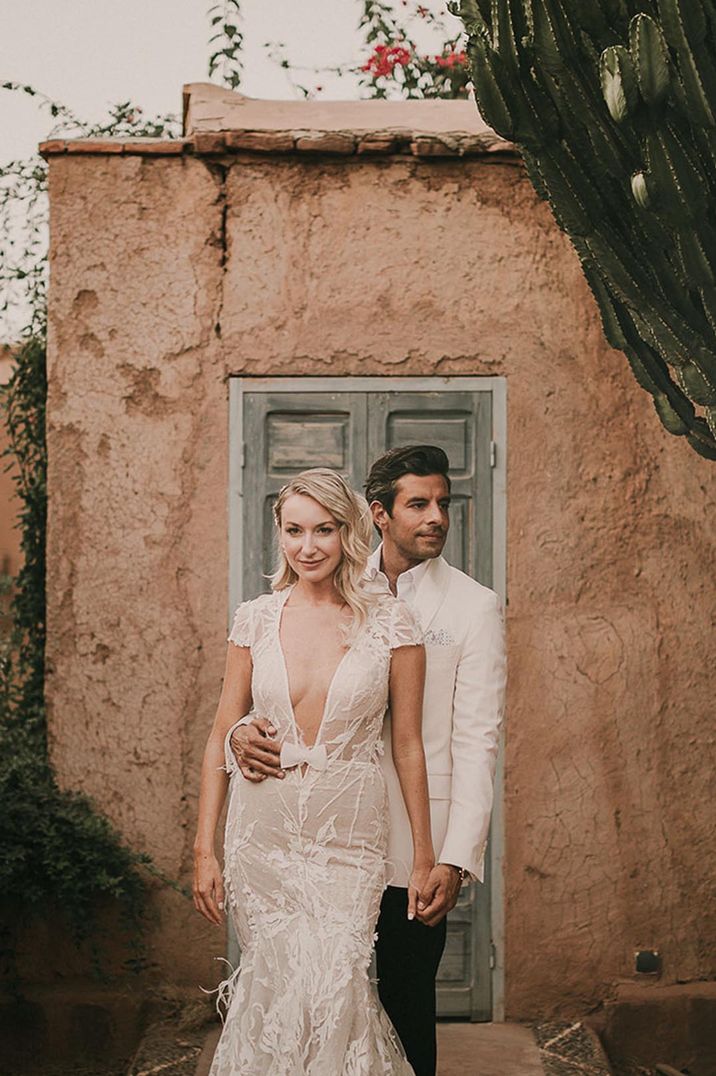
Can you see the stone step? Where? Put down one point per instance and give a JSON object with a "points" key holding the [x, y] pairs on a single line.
{"points": [[463, 1050]]}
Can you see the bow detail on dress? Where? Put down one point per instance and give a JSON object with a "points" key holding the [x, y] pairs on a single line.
{"points": [[295, 754]]}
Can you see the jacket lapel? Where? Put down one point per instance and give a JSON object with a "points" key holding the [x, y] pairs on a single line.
{"points": [[432, 591]]}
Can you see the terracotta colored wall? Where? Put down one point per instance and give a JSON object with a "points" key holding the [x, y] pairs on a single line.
{"points": [[9, 504], [10, 557], [390, 267]]}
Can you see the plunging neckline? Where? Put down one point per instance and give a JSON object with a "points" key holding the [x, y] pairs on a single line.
{"points": [[297, 730]]}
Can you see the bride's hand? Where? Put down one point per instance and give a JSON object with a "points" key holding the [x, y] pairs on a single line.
{"points": [[418, 880], [208, 887]]}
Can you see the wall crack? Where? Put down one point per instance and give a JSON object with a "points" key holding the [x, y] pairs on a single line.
{"points": [[219, 237]]}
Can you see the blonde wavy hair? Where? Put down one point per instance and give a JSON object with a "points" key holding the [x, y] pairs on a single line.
{"points": [[355, 526]]}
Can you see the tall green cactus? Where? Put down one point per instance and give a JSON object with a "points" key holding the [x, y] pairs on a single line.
{"points": [[613, 106]]}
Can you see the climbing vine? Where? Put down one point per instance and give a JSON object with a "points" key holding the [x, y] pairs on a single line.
{"points": [[393, 62], [396, 65], [56, 850], [226, 42]]}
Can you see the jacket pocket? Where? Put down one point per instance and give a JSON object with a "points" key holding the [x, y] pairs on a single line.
{"points": [[439, 786], [442, 654]]}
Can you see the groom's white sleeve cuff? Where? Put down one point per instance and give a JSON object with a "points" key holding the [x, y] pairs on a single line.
{"points": [[230, 764], [473, 868]]}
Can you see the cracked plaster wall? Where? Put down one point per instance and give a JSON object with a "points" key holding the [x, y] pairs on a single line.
{"points": [[169, 274]]}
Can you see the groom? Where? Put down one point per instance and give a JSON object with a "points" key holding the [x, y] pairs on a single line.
{"points": [[408, 490]]}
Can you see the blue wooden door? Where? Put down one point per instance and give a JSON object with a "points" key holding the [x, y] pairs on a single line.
{"points": [[286, 432]]}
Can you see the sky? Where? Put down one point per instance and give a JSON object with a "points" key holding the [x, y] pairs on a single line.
{"points": [[91, 53]]}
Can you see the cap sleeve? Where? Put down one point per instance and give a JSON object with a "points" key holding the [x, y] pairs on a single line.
{"points": [[405, 627], [241, 633]]}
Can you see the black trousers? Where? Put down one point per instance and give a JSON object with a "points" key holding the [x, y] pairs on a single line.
{"points": [[407, 957]]}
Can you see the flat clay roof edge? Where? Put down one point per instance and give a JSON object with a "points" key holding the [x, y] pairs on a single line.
{"points": [[381, 142]]}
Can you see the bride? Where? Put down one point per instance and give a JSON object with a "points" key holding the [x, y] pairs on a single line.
{"points": [[322, 657]]}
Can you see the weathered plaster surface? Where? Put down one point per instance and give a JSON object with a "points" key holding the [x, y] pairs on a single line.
{"points": [[397, 266], [137, 448], [10, 554], [208, 107], [455, 269]]}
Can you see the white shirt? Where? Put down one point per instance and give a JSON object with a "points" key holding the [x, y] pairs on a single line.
{"points": [[407, 582]]}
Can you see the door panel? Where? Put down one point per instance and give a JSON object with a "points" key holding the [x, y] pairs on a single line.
{"points": [[461, 424], [296, 442], [456, 433], [459, 540], [285, 433]]}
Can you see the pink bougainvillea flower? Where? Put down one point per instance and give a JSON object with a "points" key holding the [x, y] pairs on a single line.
{"points": [[384, 60], [451, 59]]}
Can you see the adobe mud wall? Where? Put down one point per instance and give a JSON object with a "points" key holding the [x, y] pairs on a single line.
{"points": [[10, 553], [170, 273]]}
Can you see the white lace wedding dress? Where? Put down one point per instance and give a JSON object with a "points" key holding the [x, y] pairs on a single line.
{"points": [[305, 866]]}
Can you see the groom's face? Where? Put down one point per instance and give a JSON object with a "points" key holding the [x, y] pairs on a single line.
{"points": [[418, 525]]}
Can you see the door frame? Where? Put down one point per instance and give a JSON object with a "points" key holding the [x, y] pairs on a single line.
{"points": [[497, 387]]}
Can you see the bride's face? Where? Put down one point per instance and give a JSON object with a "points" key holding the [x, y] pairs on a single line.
{"points": [[310, 538]]}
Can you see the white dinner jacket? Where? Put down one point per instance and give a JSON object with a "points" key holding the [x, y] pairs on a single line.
{"points": [[462, 711]]}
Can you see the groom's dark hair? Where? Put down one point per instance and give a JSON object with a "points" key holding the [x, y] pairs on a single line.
{"points": [[393, 465]]}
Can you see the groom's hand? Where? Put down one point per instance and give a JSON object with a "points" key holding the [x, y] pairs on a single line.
{"points": [[439, 895], [257, 754]]}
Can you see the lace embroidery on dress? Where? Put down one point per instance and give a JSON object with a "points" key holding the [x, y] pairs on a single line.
{"points": [[305, 868], [241, 633], [405, 629]]}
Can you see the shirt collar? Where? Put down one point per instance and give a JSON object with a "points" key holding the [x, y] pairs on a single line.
{"points": [[373, 565], [416, 573], [412, 576]]}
